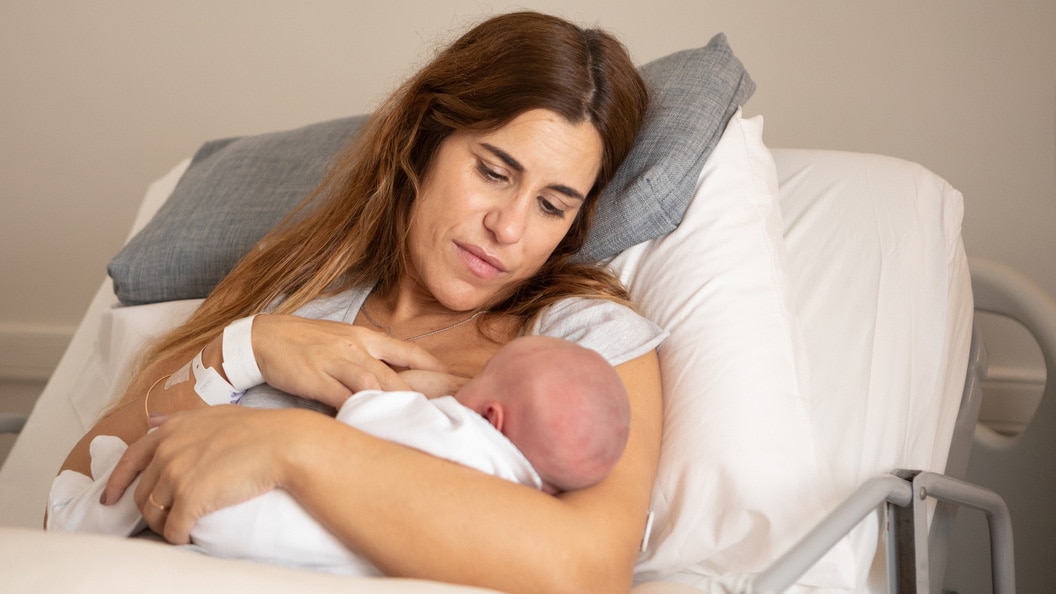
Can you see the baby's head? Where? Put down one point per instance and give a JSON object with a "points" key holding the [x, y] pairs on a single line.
{"points": [[561, 404]]}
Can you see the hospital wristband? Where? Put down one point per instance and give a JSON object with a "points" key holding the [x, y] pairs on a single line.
{"points": [[211, 386], [240, 364]]}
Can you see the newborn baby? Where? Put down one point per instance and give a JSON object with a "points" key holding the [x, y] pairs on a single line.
{"points": [[544, 412]]}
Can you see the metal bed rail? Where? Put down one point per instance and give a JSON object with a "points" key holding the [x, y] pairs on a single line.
{"points": [[904, 494]]}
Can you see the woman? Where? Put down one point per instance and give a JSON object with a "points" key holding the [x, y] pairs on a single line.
{"points": [[445, 232]]}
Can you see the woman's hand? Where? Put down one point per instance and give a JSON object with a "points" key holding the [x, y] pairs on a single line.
{"points": [[328, 361], [199, 461], [433, 384]]}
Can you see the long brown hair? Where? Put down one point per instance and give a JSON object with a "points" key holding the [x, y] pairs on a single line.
{"points": [[351, 229]]}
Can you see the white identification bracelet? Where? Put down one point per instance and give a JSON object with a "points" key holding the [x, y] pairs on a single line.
{"points": [[240, 364], [211, 386]]}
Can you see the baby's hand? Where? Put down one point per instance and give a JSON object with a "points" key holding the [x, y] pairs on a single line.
{"points": [[433, 383]]}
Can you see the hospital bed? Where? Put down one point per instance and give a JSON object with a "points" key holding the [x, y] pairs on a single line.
{"points": [[821, 383]]}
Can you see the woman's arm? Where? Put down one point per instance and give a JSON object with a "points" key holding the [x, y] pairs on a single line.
{"points": [[411, 514], [128, 419], [436, 520], [322, 360]]}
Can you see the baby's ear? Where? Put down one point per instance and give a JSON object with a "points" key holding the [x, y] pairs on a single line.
{"points": [[493, 412]]}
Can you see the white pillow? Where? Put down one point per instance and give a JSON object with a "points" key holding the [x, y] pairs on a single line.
{"points": [[739, 478], [882, 289], [881, 282]]}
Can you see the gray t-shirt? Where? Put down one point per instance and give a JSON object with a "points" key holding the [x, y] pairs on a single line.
{"points": [[616, 332]]}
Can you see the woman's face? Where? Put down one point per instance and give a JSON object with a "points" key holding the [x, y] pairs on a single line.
{"points": [[494, 205]]}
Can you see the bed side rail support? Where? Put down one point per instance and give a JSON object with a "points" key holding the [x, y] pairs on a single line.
{"points": [[905, 495], [908, 551], [874, 492]]}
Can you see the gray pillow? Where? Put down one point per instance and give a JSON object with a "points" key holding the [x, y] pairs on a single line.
{"points": [[237, 189], [692, 96]]}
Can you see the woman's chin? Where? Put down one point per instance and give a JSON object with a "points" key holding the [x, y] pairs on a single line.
{"points": [[465, 300]]}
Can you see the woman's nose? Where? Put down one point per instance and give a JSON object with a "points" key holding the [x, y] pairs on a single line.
{"points": [[507, 220]]}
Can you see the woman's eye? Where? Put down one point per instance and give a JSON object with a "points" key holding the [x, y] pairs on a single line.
{"points": [[551, 209], [489, 173]]}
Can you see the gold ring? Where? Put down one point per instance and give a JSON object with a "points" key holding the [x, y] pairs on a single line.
{"points": [[152, 501]]}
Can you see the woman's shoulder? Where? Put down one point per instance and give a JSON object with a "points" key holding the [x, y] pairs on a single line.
{"points": [[612, 329]]}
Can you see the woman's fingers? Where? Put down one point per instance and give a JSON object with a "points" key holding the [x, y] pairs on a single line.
{"points": [[154, 512], [154, 496], [203, 460], [399, 353], [138, 461], [431, 383], [132, 463], [328, 361]]}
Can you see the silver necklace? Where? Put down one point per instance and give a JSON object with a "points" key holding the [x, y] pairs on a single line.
{"points": [[388, 329]]}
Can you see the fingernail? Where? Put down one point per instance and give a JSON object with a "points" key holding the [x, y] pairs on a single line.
{"points": [[102, 498]]}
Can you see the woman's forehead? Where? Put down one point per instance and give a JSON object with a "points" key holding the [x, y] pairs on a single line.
{"points": [[543, 143]]}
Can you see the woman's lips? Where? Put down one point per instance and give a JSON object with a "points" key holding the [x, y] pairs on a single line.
{"points": [[479, 262]]}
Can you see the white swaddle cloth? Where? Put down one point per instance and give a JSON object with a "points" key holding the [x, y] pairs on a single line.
{"points": [[73, 503], [273, 527]]}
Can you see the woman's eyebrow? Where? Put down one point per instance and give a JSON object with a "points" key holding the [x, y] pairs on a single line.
{"points": [[514, 164]]}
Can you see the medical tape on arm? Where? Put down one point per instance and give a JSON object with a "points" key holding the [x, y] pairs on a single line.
{"points": [[211, 386]]}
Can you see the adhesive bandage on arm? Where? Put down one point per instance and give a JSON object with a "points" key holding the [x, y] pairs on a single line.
{"points": [[211, 386]]}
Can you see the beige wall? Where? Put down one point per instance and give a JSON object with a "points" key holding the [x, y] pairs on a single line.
{"points": [[99, 98]]}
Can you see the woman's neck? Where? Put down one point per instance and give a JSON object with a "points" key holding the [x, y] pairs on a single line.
{"points": [[461, 341], [408, 303]]}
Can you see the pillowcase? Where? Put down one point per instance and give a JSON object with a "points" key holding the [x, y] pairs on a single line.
{"points": [[237, 189], [880, 279], [739, 480], [692, 95], [233, 193]]}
